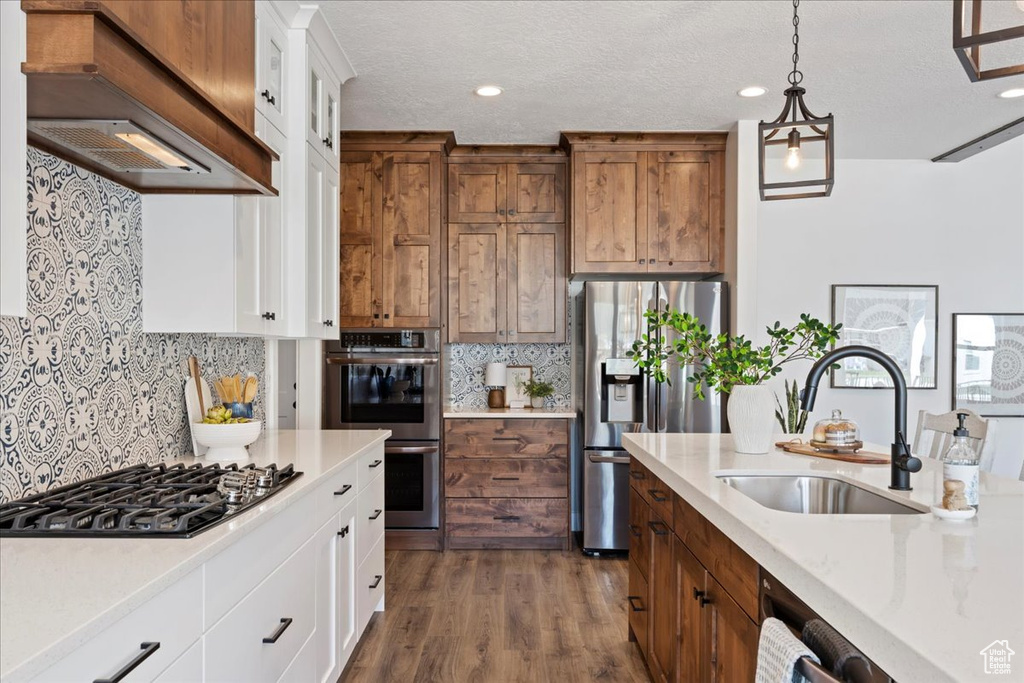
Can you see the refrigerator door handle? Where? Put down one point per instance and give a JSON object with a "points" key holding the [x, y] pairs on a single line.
{"points": [[661, 390], [614, 459]]}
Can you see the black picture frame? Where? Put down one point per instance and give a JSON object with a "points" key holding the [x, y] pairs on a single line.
{"points": [[882, 380], [963, 349]]}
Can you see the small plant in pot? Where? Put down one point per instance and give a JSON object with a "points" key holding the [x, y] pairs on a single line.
{"points": [[537, 390], [732, 365]]}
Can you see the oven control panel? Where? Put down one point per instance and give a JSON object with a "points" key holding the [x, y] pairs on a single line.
{"points": [[401, 339]]}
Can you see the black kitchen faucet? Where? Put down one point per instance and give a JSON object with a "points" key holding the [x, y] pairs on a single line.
{"points": [[903, 461]]}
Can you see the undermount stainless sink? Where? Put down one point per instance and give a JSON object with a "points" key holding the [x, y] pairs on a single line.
{"points": [[813, 495]]}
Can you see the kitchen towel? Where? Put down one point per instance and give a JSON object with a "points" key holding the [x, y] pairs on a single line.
{"points": [[834, 650], [778, 651]]}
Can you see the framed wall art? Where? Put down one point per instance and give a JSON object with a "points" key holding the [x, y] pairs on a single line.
{"points": [[899, 320], [988, 363], [515, 377]]}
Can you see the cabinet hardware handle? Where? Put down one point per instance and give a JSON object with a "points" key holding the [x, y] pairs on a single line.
{"points": [[501, 212], [511, 332], [654, 496], [506, 438], [328, 143], [697, 594], [147, 650], [387, 315], [376, 316], [375, 463], [285, 623], [634, 531], [505, 478], [501, 333], [671, 263], [704, 601], [343, 490], [268, 97], [507, 518], [641, 262], [328, 323], [344, 532], [636, 475], [654, 527], [631, 598], [511, 212], [651, 261], [376, 580], [375, 515]]}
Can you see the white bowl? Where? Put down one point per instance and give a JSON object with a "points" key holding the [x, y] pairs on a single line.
{"points": [[226, 441]]}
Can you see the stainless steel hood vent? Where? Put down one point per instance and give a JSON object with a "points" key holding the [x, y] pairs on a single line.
{"points": [[120, 146]]}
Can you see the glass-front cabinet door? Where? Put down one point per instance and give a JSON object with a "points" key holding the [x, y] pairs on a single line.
{"points": [[316, 104], [271, 47]]}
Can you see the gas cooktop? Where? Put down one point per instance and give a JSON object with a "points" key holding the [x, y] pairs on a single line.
{"points": [[158, 501]]}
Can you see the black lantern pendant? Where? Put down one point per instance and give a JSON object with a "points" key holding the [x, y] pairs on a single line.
{"points": [[805, 131]]}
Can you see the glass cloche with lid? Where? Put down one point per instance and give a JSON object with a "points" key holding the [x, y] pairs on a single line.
{"points": [[836, 433]]}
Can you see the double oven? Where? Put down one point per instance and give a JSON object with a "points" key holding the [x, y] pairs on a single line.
{"points": [[392, 380]]}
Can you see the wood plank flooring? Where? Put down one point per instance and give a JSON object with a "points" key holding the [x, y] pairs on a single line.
{"points": [[478, 616]]}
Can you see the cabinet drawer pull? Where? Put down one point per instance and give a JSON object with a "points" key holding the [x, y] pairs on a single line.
{"points": [[697, 594], [511, 212], [375, 463], [344, 489], [375, 515], [344, 532], [654, 527], [634, 531], [147, 650], [655, 493], [633, 605], [501, 212], [376, 581], [636, 475], [507, 518], [272, 638], [505, 478]]}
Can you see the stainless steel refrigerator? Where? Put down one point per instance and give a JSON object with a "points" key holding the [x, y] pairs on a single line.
{"points": [[619, 397]]}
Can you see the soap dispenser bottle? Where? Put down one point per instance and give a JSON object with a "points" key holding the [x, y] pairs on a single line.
{"points": [[961, 463]]}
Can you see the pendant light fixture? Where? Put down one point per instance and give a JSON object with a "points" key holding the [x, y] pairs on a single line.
{"points": [[968, 47], [805, 131]]}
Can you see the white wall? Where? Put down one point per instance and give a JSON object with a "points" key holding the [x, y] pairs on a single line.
{"points": [[959, 226]]}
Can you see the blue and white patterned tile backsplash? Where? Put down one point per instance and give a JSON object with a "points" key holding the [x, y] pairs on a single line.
{"points": [[82, 389], [465, 362]]}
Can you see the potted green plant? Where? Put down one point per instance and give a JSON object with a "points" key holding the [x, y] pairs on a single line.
{"points": [[732, 365], [791, 418], [537, 389]]}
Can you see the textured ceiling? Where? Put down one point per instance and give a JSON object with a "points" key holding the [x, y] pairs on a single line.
{"points": [[885, 69]]}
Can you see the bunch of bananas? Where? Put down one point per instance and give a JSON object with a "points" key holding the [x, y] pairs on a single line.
{"points": [[219, 415]]}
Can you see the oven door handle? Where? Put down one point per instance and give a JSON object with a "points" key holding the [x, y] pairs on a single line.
{"points": [[332, 360], [411, 449]]}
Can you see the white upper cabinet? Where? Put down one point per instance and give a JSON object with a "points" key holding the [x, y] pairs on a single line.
{"points": [[323, 90], [13, 224], [271, 54]]}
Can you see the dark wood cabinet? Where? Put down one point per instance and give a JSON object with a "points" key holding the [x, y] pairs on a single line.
{"points": [[391, 213], [701, 600], [647, 202], [506, 245]]}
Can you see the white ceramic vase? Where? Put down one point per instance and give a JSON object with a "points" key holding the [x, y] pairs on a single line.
{"points": [[751, 418], [537, 401]]}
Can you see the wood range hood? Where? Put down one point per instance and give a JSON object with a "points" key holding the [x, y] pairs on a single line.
{"points": [[157, 96]]}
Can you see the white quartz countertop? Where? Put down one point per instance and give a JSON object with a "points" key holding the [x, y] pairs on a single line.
{"points": [[919, 596], [490, 413], [57, 593]]}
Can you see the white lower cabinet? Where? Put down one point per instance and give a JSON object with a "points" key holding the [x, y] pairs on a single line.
{"points": [[370, 585], [370, 519], [303, 667], [335, 594], [188, 667]]}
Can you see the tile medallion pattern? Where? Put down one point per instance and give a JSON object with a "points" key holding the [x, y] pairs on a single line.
{"points": [[551, 362], [82, 389]]}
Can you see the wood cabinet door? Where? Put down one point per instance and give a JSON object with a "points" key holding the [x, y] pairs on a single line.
{"points": [[610, 212], [360, 234], [685, 212], [662, 640], [477, 286], [476, 193], [690, 577], [637, 606], [536, 283], [536, 193], [731, 636], [411, 239], [639, 516]]}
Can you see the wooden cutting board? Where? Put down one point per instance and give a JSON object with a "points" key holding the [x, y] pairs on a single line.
{"points": [[862, 457]]}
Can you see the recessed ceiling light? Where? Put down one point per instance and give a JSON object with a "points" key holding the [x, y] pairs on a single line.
{"points": [[1011, 93], [753, 91], [488, 91]]}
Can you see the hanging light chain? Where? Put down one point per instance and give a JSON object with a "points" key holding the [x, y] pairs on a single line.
{"points": [[796, 76]]}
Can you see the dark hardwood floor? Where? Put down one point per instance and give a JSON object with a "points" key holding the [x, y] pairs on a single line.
{"points": [[502, 616]]}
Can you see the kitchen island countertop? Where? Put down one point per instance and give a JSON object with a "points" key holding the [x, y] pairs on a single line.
{"points": [[919, 596], [57, 593]]}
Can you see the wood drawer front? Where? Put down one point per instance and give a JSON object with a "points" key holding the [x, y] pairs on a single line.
{"points": [[235, 647], [173, 618], [636, 605], [639, 542], [514, 438], [659, 497], [638, 477], [734, 569], [507, 517], [506, 477]]}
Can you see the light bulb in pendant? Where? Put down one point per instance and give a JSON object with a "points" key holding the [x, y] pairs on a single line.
{"points": [[793, 157]]}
